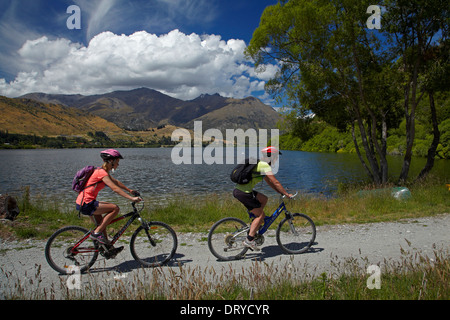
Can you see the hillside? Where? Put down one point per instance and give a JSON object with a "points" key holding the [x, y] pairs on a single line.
{"points": [[124, 108], [30, 117], [143, 108], [244, 114]]}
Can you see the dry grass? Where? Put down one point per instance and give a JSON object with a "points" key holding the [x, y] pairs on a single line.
{"points": [[414, 277]]}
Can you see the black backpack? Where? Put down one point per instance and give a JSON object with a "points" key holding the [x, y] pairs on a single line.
{"points": [[242, 173]]}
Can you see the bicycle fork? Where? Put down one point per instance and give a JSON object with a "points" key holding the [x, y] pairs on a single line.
{"points": [[290, 218], [146, 228]]}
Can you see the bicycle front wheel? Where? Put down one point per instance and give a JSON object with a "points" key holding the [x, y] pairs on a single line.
{"points": [[296, 234], [155, 245], [67, 252], [226, 237]]}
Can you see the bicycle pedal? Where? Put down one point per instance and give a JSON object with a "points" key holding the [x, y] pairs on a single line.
{"points": [[113, 252]]}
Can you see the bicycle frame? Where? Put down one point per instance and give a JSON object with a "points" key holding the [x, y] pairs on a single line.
{"points": [[133, 214], [270, 219]]}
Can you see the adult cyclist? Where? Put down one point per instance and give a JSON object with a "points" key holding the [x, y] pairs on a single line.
{"points": [[255, 201], [103, 212]]}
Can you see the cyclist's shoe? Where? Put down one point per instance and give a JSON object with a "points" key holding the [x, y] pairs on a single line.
{"points": [[251, 245], [100, 238], [112, 252], [117, 250]]}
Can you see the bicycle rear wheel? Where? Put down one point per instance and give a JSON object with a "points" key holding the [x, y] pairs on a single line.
{"points": [[154, 246], [62, 255], [226, 237], [296, 234]]}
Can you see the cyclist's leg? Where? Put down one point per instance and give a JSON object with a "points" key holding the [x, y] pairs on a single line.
{"points": [[259, 213], [96, 220], [104, 214]]}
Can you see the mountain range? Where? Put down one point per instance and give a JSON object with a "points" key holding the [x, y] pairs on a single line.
{"points": [[30, 117], [143, 108]]}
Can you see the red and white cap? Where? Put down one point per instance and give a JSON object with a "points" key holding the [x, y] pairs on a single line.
{"points": [[270, 150]]}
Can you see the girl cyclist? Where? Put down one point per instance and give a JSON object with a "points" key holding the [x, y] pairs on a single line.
{"points": [[103, 212], [255, 201]]}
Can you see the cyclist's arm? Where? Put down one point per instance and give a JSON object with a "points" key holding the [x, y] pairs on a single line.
{"points": [[117, 188], [120, 184], [275, 184]]}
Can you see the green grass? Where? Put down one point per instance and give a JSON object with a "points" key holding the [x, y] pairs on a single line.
{"points": [[414, 277], [39, 218]]}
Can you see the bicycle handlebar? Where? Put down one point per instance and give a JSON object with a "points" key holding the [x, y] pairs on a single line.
{"points": [[283, 196], [136, 194]]}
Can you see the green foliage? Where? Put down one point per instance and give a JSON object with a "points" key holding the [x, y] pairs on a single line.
{"points": [[22, 141], [443, 149], [289, 141], [327, 138], [331, 64], [99, 140]]}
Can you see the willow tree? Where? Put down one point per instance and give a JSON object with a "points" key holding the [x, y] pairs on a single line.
{"points": [[418, 33], [334, 65]]}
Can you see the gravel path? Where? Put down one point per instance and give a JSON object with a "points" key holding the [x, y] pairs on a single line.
{"points": [[24, 262]]}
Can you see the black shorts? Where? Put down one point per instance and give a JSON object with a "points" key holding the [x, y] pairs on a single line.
{"points": [[88, 209], [248, 199]]}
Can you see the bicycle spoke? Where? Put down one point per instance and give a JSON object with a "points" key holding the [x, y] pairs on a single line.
{"points": [[296, 233], [155, 246], [61, 254], [225, 239]]}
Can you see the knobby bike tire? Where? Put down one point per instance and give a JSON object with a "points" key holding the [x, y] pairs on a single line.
{"points": [[159, 253], [57, 250], [306, 234], [220, 235]]}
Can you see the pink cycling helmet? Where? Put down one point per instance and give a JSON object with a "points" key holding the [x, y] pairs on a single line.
{"points": [[269, 150], [110, 154]]}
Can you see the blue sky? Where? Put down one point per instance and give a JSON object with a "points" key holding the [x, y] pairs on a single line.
{"points": [[183, 48]]}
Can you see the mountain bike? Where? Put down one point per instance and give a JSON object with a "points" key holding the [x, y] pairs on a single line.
{"points": [[295, 234], [152, 244]]}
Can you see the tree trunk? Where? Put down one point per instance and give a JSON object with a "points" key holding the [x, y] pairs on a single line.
{"points": [[383, 160], [436, 136], [369, 173], [375, 172], [410, 115]]}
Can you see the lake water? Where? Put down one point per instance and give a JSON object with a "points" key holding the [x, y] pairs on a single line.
{"points": [[50, 173]]}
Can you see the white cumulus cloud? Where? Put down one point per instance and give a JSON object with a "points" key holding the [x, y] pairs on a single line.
{"points": [[180, 65]]}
